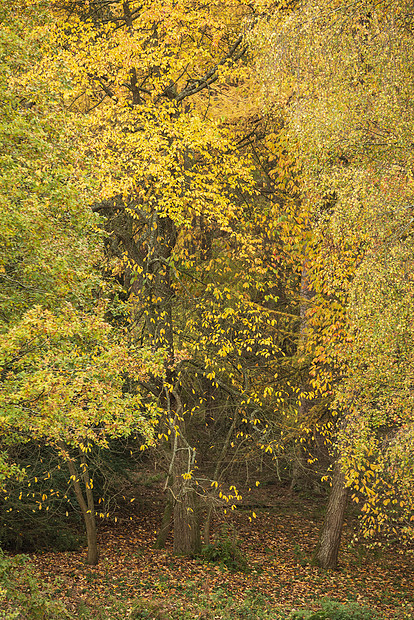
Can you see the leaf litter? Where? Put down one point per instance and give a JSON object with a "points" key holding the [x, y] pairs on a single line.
{"points": [[277, 544]]}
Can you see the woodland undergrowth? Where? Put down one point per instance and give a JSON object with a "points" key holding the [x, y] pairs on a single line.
{"points": [[276, 580]]}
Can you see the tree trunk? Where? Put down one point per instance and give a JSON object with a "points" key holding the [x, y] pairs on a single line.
{"points": [[326, 555], [165, 525], [149, 242], [93, 552], [187, 540], [87, 507], [90, 522]]}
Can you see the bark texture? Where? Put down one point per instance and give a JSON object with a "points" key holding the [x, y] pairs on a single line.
{"points": [[187, 539], [326, 555]]}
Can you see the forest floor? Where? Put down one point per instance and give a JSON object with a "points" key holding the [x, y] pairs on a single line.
{"points": [[133, 580]]}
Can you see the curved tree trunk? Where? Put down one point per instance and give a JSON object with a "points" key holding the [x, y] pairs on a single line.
{"points": [[326, 555], [87, 507]]}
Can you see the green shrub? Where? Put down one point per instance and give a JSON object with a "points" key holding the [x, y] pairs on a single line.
{"points": [[225, 551], [331, 610]]}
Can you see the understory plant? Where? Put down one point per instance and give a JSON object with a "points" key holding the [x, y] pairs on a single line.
{"points": [[332, 610], [226, 551], [23, 596]]}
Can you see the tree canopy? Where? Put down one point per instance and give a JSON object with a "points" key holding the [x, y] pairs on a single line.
{"points": [[207, 219]]}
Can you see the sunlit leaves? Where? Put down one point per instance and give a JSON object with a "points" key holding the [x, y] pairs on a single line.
{"points": [[47, 241], [343, 74], [64, 379]]}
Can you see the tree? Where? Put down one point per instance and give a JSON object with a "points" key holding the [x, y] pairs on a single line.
{"points": [[348, 114], [147, 82], [66, 382], [48, 239], [65, 377]]}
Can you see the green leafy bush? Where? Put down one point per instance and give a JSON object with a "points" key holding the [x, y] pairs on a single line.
{"points": [[225, 551], [332, 610]]}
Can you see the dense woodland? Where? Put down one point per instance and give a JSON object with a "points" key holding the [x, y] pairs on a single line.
{"points": [[206, 298]]}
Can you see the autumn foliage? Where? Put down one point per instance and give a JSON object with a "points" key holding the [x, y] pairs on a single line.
{"points": [[206, 250]]}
